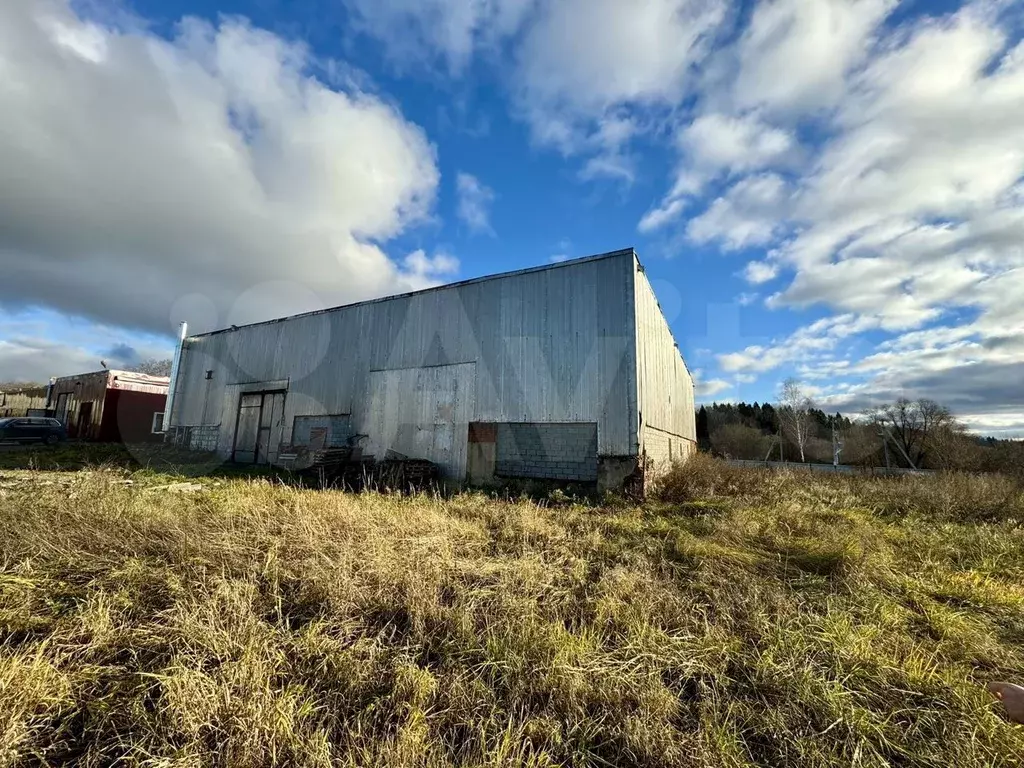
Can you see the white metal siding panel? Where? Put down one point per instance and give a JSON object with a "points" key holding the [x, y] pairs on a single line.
{"points": [[424, 413], [550, 345], [665, 388]]}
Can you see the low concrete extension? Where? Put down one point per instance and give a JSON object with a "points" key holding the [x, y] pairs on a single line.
{"points": [[560, 453]]}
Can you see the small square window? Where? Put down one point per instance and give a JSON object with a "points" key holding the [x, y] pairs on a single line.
{"points": [[209, 374]]}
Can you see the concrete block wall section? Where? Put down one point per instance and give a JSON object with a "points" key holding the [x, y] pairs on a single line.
{"points": [[566, 451], [194, 438], [204, 438], [662, 449]]}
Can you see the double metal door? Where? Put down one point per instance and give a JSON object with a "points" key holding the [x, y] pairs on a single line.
{"points": [[259, 427]]}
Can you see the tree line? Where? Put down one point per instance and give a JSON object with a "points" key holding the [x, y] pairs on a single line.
{"points": [[921, 434]]}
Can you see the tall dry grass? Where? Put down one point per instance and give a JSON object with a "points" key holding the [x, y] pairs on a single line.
{"points": [[954, 496], [742, 620]]}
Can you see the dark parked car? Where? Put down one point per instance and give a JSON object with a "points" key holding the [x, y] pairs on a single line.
{"points": [[32, 429]]}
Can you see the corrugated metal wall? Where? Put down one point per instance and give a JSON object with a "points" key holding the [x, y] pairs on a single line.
{"points": [[78, 402], [668, 422], [554, 344]]}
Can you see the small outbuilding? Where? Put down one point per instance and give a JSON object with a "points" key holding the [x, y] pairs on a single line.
{"points": [[566, 372], [108, 406]]}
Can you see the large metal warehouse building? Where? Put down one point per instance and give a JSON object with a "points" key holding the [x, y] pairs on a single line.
{"points": [[565, 372]]}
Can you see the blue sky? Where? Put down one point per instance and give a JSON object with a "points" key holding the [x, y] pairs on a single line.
{"points": [[828, 190]]}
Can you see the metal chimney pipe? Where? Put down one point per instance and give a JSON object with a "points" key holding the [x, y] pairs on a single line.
{"points": [[173, 385]]}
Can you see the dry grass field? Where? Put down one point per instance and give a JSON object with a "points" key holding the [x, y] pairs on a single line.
{"points": [[743, 618]]}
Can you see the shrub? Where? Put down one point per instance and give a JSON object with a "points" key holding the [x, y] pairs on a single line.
{"points": [[739, 441], [703, 477]]}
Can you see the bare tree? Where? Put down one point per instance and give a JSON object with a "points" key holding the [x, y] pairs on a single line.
{"points": [[152, 367], [915, 426], [795, 414]]}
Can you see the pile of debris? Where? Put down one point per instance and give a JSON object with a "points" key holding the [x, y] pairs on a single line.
{"points": [[346, 467], [404, 475]]}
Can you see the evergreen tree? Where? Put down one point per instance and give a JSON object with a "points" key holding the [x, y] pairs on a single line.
{"points": [[703, 432]]}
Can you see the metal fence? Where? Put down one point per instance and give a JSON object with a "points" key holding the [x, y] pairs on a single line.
{"points": [[847, 469]]}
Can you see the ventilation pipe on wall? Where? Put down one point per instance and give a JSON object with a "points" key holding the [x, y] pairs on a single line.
{"points": [[173, 385]]}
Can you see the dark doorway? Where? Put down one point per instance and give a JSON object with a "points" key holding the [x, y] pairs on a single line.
{"points": [[84, 428]]}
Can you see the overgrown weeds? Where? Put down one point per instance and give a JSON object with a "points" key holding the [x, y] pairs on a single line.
{"points": [[744, 619], [956, 496]]}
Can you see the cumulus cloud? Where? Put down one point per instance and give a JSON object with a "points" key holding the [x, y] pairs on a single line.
{"points": [[903, 212], [583, 60], [747, 214], [757, 272], [879, 165], [711, 388], [579, 72], [714, 144], [418, 263], [136, 172], [474, 204], [795, 55], [814, 342]]}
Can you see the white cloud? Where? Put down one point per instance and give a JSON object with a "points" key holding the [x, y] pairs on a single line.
{"points": [[415, 32], [711, 388], [582, 73], [978, 379], [914, 209], [667, 211], [815, 342], [793, 57], [34, 359], [737, 143], [582, 60], [141, 172], [591, 75], [475, 199], [794, 54], [715, 143], [429, 267], [564, 247], [758, 272], [906, 214], [747, 214]]}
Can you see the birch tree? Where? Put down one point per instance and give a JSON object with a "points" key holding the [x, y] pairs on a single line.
{"points": [[795, 415]]}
